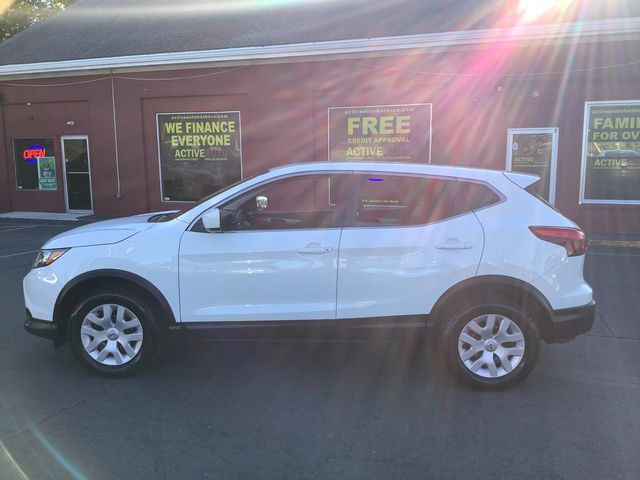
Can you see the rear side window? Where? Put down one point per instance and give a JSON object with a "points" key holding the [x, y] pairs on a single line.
{"points": [[386, 200], [471, 196]]}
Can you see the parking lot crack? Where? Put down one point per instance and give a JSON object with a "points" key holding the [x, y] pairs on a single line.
{"points": [[56, 413], [606, 324]]}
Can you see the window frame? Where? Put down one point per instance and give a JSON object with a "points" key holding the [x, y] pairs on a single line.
{"points": [[157, 125], [15, 166], [583, 159], [553, 164], [350, 220], [349, 202]]}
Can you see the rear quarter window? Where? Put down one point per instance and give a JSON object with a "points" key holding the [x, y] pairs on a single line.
{"points": [[397, 200], [468, 196]]}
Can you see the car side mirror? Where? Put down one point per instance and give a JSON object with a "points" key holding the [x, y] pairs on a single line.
{"points": [[211, 220], [262, 202]]}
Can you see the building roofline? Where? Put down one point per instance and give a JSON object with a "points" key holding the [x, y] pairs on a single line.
{"points": [[240, 55]]}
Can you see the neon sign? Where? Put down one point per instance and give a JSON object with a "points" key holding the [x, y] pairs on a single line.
{"points": [[33, 152]]}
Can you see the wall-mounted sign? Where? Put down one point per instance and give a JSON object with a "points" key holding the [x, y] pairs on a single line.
{"points": [[199, 153], [47, 173], [26, 152], [384, 133], [535, 151], [611, 153]]}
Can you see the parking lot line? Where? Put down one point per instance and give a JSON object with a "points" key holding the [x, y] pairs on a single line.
{"points": [[612, 254], [17, 228], [18, 254], [616, 243]]}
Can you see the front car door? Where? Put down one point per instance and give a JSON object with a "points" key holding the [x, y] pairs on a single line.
{"points": [[275, 256], [411, 239]]}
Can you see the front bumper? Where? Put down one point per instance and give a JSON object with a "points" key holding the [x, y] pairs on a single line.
{"points": [[40, 328], [570, 322]]}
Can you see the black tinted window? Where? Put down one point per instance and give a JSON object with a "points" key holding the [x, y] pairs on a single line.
{"points": [[403, 200], [471, 196], [310, 201]]}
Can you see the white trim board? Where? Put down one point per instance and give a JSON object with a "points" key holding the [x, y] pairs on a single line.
{"points": [[254, 54]]}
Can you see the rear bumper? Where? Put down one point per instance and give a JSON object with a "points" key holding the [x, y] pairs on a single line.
{"points": [[570, 322], [40, 328]]}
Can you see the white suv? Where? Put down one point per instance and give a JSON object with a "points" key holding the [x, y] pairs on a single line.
{"points": [[468, 253]]}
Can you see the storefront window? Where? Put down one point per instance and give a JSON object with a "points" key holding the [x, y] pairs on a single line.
{"points": [[611, 153], [384, 133], [535, 151], [199, 153], [26, 153]]}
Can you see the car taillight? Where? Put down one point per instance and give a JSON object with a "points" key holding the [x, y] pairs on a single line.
{"points": [[572, 239]]}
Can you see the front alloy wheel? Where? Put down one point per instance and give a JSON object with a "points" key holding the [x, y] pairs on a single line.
{"points": [[113, 330], [111, 334]]}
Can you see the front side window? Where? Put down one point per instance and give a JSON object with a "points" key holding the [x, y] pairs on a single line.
{"points": [[304, 202], [395, 200]]}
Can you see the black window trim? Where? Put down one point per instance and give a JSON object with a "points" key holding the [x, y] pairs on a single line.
{"points": [[350, 220]]}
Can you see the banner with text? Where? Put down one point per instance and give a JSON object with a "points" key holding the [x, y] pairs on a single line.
{"points": [[199, 153], [612, 168], [384, 133], [47, 173], [532, 153]]}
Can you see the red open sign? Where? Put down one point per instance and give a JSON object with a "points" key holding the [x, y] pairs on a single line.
{"points": [[34, 152]]}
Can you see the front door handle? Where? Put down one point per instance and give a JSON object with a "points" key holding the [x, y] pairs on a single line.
{"points": [[454, 244], [315, 249]]}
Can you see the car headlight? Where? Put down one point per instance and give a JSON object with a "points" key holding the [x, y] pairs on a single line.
{"points": [[47, 257]]}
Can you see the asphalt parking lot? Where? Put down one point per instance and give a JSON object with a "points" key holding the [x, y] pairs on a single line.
{"points": [[290, 409]]}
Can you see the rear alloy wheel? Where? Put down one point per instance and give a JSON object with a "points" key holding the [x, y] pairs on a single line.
{"points": [[492, 345], [112, 331]]}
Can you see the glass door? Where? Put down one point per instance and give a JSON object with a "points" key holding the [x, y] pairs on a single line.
{"points": [[535, 151], [77, 173]]}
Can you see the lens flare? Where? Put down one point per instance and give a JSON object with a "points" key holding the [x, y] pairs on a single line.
{"points": [[532, 10]]}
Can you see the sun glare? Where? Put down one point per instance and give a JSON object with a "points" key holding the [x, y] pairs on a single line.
{"points": [[531, 10]]}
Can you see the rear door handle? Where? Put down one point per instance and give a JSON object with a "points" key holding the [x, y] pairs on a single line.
{"points": [[454, 244], [315, 249]]}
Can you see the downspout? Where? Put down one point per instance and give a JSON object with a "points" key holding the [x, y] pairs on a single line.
{"points": [[115, 135]]}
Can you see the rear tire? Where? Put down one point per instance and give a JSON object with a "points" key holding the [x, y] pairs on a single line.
{"points": [[113, 331], [490, 344]]}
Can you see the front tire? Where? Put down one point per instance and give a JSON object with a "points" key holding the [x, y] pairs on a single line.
{"points": [[112, 332], [491, 345]]}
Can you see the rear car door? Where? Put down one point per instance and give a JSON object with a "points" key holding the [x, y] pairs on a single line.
{"points": [[411, 238], [275, 257]]}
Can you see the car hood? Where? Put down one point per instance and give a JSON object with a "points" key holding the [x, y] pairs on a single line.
{"points": [[102, 233]]}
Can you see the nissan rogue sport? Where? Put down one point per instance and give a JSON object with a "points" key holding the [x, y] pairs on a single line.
{"points": [[468, 254]]}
